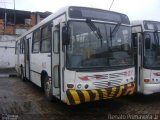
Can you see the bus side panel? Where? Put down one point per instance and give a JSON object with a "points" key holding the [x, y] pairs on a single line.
{"points": [[35, 68], [39, 62]]}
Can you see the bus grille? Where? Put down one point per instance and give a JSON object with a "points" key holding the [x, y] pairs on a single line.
{"points": [[102, 84], [107, 84], [113, 79], [116, 75]]}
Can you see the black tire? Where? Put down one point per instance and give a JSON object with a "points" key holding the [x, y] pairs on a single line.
{"points": [[48, 89], [22, 74]]}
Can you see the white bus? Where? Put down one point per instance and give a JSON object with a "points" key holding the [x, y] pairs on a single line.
{"points": [[79, 55], [146, 41]]}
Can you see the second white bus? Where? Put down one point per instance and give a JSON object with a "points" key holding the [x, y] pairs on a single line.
{"points": [[146, 41]]}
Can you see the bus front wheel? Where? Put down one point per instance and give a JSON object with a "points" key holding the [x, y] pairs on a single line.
{"points": [[48, 88]]}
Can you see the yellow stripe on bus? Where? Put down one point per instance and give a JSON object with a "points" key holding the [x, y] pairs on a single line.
{"points": [[104, 92], [113, 92], [75, 96], [132, 90], [120, 91], [67, 101], [96, 94], [86, 95], [128, 85]]}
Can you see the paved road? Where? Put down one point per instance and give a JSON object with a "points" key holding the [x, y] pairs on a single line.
{"points": [[28, 102]]}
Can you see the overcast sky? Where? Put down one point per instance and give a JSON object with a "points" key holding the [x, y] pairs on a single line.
{"points": [[135, 9]]}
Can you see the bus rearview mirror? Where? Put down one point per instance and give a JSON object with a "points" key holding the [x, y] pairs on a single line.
{"points": [[65, 36]]}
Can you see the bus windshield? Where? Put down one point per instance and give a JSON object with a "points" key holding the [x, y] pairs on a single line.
{"points": [[98, 45], [152, 50]]}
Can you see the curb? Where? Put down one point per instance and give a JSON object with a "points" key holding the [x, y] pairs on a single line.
{"points": [[8, 75], [4, 75]]}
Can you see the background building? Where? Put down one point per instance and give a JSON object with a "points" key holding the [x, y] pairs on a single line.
{"points": [[13, 23]]}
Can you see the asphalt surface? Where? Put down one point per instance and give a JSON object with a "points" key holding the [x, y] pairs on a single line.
{"points": [[25, 101]]}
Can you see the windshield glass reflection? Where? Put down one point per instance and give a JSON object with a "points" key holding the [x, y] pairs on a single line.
{"points": [[86, 50], [152, 49]]}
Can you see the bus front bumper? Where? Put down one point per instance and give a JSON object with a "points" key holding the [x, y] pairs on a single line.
{"points": [[151, 88], [81, 96]]}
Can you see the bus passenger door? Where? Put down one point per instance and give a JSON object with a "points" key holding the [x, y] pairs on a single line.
{"points": [[56, 61], [27, 58], [137, 44]]}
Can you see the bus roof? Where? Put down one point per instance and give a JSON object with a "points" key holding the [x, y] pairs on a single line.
{"points": [[147, 24], [140, 22], [60, 12]]}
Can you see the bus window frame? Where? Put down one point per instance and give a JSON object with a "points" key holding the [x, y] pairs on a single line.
{"points": [[41, 40], [57, 51], [38, 29]]}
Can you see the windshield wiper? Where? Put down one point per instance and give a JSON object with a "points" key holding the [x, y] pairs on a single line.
{"points": [[115, 29], [94, 28]]}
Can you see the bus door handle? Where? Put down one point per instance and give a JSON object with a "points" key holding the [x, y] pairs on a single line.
{"points": [[49, 55]]}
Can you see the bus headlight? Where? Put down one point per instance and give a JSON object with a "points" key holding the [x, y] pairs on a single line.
{"points": [[79, 86], [86, 86]]}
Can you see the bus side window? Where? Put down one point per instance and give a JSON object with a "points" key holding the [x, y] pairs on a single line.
{"points": [[36, 41], [46, 39], [56, 41]]}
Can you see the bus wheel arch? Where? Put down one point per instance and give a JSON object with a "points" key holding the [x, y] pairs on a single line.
{"points": [[46, 85], [48, 88], [43, 75]]}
